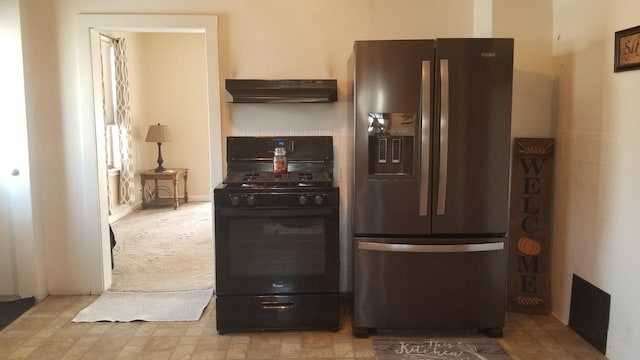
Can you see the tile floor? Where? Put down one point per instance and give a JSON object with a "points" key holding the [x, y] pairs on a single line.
{"points": [[46, 332]]}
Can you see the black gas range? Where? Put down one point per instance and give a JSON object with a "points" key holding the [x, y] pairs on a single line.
{"points": [[277, 236], [263, 189]]}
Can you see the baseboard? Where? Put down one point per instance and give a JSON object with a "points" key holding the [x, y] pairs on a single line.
{"points": [[123, 210], [192, 198], [199, 198]]}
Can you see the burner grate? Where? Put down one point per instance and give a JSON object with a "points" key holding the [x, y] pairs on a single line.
{"points": [[305, 176], [250, 177], [268, 179]]}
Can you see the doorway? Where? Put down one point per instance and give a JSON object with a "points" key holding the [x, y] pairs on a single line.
{"points": [[95, 24], [148, 79]]}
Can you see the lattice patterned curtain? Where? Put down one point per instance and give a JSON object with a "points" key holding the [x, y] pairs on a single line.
{"points": [[123, 118]]}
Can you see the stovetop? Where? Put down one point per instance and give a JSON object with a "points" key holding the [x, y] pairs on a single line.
{"points": [[251, 182], [262, 179]]}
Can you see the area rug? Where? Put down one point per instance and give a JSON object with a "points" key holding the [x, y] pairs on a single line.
{"points": [[11, 310], [162, 249], [147, 306], [458, 348]]}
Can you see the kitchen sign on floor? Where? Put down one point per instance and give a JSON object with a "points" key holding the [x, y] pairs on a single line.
{"points": [[529, 286]]}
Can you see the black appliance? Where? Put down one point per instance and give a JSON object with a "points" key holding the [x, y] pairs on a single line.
{"points": [[277, 237], [431, 183], [282, 91]]}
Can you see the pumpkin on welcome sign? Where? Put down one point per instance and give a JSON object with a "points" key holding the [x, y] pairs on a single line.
{"points": [[529, 246]]}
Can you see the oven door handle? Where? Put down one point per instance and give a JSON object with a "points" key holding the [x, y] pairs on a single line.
{"points": [[303, 212]]}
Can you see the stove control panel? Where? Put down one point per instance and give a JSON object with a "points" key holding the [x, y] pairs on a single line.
{"points": [[311, 199], [232, 199]]}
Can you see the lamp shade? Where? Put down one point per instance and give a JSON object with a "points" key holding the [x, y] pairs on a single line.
{"points": [[158, 134]]}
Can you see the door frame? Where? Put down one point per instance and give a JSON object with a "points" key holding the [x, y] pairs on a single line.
{"points": [[88, 27]]}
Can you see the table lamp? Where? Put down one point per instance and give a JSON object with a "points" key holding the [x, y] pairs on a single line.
{"points": [[158, 134]]}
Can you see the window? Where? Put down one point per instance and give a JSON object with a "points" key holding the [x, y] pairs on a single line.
{"points": [[112, 133], [113, 146]]}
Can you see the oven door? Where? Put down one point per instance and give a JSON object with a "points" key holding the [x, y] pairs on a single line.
{"points": [[276, 251]]}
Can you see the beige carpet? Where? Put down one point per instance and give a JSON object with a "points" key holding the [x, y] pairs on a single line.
{"points": [[161, 249]]}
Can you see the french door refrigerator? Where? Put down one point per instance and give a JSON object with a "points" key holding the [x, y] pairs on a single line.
{"points": [[431, 183]]}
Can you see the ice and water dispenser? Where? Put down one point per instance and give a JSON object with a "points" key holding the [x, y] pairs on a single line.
{"points": [[391, 143]]}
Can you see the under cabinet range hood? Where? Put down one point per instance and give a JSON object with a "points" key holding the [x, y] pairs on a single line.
{"points": [[282, 91]]}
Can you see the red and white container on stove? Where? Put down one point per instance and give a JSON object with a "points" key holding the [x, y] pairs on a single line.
{"points": [[280, 161]]}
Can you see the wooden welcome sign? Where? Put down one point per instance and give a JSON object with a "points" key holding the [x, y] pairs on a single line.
{"points": [[529, 285]]}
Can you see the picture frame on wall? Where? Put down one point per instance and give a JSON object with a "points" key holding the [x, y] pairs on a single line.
{"points": [[627, 49]]}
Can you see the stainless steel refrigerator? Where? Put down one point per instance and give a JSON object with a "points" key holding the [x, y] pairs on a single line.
{"points": [[431, 183]]}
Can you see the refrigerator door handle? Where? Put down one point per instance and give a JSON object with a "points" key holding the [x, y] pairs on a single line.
{"points": [[454, 248], [444, 136], [425, 137]]}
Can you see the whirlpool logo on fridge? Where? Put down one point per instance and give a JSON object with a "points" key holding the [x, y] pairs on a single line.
{"points": [[488, 54]]}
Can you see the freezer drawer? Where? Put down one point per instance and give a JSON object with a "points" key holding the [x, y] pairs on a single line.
{"points": [[429, 284]]}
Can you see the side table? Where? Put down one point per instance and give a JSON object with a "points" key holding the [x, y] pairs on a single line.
{"points": [[168, 174]]}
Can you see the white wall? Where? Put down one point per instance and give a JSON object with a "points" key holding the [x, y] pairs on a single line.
{"points": [[597, 193], [257, 39], [173, 91], [167, 84], [22, 267], [586, 106], [11, 72], [530, 24]]}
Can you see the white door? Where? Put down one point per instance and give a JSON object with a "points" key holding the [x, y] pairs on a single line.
{"points": [[21, 265]]}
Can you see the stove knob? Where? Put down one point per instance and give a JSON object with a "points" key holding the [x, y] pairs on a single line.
{"points": [[235, 200], [319, 199], [302, 199], [251, 200]]}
